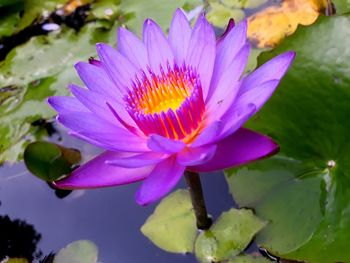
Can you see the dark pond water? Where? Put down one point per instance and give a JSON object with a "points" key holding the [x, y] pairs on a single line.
{"points": [[109, 217]]}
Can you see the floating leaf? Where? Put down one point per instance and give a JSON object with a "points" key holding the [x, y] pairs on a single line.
{"points": [[228, 236], [81, 251], [172, 226], [34, 71], [105, 9], [285, 193], [249, 259], [34, 9], [50, 161], [219, 14], [306, 196], [342, 6], [16, 260], [268, 27], [8, 24], [244, 3], [139, 10]]}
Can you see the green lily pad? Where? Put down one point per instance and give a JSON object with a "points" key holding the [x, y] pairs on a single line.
{"points": [[228, 236], [305, 197], [81, 251], [244, 3], [34, 9], [219, 14], [34, 71], [8, 24], [249, 259], [50, 161], [341, 6], [172, 226], [137, 11], [105, 9]]}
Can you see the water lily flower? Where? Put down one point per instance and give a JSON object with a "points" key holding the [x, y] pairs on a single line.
{"points": [[164, 104]]}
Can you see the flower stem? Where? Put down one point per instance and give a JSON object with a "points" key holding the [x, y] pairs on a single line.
{"points": [[195, 188]]}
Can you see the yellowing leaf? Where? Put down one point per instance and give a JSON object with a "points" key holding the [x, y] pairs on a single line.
{"points": [[269, 26], [17, 260]]}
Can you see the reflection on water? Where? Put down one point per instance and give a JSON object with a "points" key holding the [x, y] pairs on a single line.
{"points": [[18, 239], [109, 217]]}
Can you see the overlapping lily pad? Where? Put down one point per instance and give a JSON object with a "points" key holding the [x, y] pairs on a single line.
{"points": [[34, 71], [172, 226], [305, 194], [228, 236]]}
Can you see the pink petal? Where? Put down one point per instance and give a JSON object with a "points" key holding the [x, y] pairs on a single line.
{"points": [[242, 147], [96, 173], [118, 67], [195, 156], [138, 160], [161, 180], [201, 52], [159, 51], [132, 48], [160, 144], [179, 36]]}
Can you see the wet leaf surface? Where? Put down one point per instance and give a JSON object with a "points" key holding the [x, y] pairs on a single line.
{"points": [[305, 197], [81, 251], [228, 236], [50, 161], [172, 226]]}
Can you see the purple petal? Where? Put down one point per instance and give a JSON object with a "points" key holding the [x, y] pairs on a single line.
{"points": [[160, 181], [96, 173], [162, 144], [96, 79], [195, 156], [228, 85], [119, 68], [235, 120], [242, 147], [138, 160], [159, 51], [228, 53], [103, 132], [132, 48], [201, 52], [64, 104], [230, 26], [208, 134], [257, 95], [179, 36], [274, 69], [95, 102]]}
